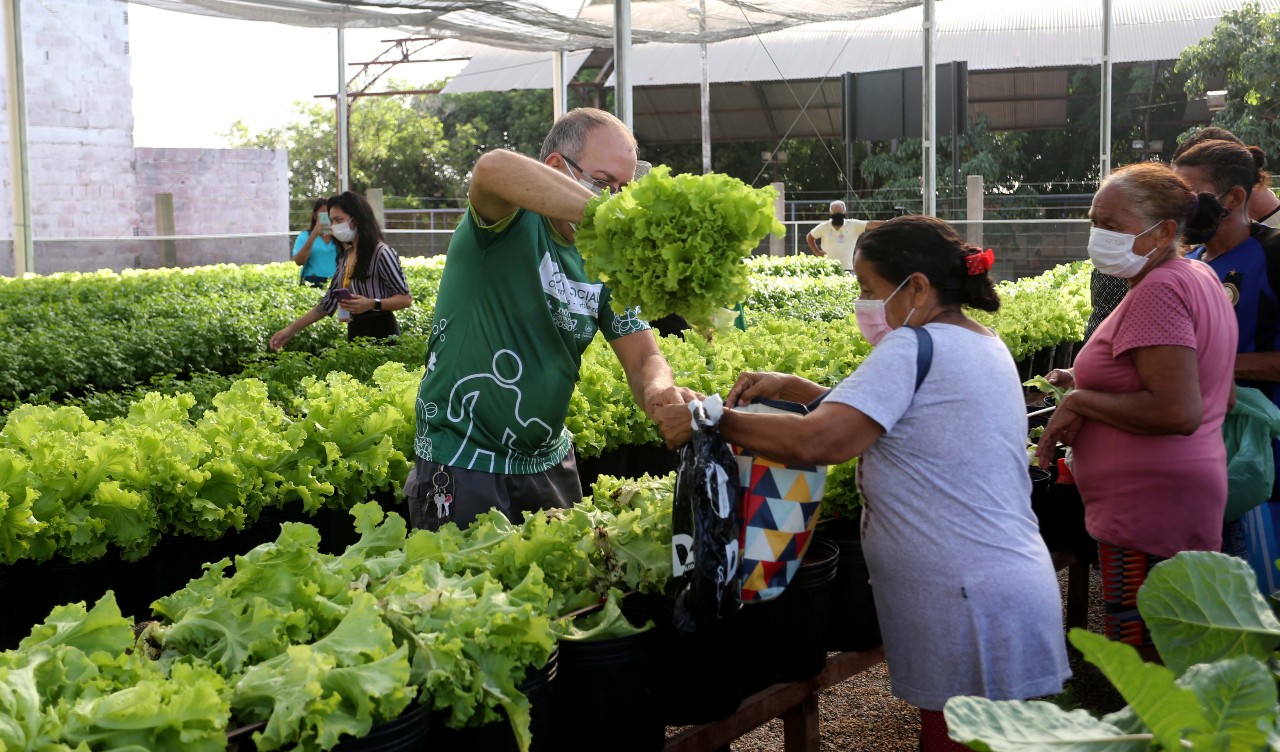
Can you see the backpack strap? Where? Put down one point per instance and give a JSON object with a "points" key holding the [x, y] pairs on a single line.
{"points": [[924, 354], [1269, 237], [924, 360]]}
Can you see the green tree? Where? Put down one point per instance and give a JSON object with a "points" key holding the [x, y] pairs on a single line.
{"points": [[515, 120], [418, 148], [1243, 47]]}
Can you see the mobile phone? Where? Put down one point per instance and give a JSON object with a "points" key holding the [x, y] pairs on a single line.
{"points": [[343, 293], [323, 219]]}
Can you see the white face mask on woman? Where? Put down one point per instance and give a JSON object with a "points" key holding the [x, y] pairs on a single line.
{"points": [[872, 321], [1112, 252], [343, 232]]}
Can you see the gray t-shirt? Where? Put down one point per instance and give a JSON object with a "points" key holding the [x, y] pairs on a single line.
{"points": [[965, 590]]}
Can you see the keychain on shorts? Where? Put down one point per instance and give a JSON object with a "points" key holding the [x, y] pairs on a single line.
{"points": [[444, 501]]}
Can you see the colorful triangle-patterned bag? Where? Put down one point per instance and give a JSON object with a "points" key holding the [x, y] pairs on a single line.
{"points": [[779, 510]]}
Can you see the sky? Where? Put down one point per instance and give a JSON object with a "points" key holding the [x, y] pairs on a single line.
{"points": [[193, 76]]}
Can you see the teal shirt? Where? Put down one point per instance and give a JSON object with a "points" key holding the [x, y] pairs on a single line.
{"points": [[514, 313], [323, 260]]}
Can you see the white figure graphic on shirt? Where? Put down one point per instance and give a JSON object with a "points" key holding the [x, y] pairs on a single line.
{"points": [[425, 412], [505, 372]]}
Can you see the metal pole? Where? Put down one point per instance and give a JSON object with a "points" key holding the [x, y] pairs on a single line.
{"points": [[622, 60], [344, 159], [23, 246], [928, 129], [704, 90], [559, 83], [1104, 147]]}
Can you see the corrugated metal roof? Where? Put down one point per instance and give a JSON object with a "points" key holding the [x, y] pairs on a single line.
{"points": [[513, 69], [988, 34]]}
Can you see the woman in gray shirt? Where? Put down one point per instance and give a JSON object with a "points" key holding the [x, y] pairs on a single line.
{"points": [[965, 591]]}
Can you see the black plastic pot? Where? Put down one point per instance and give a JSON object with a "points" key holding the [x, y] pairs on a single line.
{"points": [[630, 461], [539, 687], [1043, 360], [852, 625], [1065, 355], [33, 589], [1060, 514], [697, 675], [605, 689], [783, 640], [173, 562], [408, 732]]}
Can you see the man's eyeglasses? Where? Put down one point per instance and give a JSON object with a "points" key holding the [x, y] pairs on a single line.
{"points": [[596, 183], [599, 184]]}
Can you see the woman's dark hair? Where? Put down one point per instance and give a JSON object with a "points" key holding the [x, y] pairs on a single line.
{"points": [[1154, 192], [368, 231], [1227, 164], [1214, 133], [917, 244], [1209, 133], [1260, 161], [320, 203]]}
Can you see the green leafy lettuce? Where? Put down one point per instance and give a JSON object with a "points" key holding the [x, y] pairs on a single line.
{"points": [[676, 244]]}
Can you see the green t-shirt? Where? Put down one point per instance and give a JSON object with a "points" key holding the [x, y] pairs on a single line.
{"points": [[514, 313]]}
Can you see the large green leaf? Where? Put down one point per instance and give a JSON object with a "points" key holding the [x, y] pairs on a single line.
{"points": [[1170, 711], [1203, 606], [1239, 700], [1014, 726]]}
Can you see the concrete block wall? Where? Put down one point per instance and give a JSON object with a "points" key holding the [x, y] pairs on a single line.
{"points": [[87, 179], [218, 191], [79, 121]]}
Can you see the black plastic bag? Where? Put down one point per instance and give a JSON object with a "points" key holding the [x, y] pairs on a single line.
{"points": [[705, 524]]}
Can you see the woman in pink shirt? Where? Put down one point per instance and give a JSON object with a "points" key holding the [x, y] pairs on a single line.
{"points": [[1151, 389]]}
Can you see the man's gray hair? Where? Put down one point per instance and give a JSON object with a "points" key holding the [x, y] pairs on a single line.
{"points": [[836, 203], [569, 134]]}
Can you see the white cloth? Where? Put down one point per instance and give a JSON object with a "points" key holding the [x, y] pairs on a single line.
{"points": [[965, 590], [839, 243]]}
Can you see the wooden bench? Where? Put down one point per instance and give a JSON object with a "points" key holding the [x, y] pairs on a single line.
{"points": [[796, 703], [1077, 587]]}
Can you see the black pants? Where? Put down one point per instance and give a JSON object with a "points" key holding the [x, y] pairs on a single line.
{"points": [[314, 281], [376, 324], [464, 494]]}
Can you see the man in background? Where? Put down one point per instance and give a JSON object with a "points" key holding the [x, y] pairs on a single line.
{"points": [[838, 236]]}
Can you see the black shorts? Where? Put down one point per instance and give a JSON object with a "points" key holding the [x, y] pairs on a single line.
{"points": [[439, 493]]}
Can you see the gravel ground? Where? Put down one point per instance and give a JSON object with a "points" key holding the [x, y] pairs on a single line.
{"points": [[861, 714]]}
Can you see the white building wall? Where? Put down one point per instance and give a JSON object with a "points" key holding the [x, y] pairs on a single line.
{"points": [[218, 191], [87, 178]]}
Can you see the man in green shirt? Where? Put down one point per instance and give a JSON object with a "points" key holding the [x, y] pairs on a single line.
{"points": [[514, 313]]}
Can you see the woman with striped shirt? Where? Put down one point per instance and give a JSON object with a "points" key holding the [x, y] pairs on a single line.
{"points": [[368, 284]]}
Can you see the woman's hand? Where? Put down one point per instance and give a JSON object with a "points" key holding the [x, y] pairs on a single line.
{"points": [[753, 385], [356, 304], [1062, 428], [280, 339], [1063, 378]]}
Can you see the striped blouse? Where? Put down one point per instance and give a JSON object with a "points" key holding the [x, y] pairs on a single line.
{"points": [[385, 279]]}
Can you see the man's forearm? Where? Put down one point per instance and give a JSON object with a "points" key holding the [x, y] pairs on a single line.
{"points": [[1258, 366]]}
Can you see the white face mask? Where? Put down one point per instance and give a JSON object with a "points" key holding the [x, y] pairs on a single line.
{"points": [[585, 183], [871, 318], [343, 232], [1112, 252]]}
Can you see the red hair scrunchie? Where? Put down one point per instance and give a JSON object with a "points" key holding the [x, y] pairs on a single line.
{"points": [[980, 262]]}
